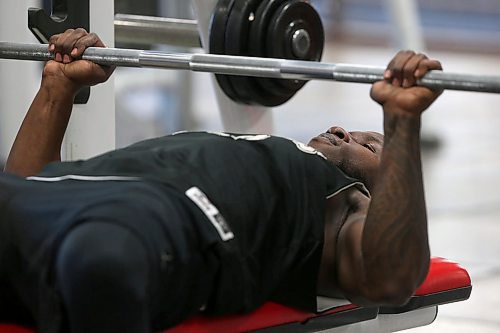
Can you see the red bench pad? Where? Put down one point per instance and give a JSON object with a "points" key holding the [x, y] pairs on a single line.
{"points": [[446, 282], [443, 275]]}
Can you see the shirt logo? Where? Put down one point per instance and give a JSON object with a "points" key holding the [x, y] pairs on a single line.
{"points": [[211, 212], [249, 137]]}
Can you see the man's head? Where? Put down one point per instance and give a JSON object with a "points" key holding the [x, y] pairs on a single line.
{"points": [[356, 153]]}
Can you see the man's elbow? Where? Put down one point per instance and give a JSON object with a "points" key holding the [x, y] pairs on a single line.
{"points": [[396, 290]]}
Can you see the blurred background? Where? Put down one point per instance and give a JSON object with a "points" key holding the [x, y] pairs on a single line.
{"points": [[460, 133]]}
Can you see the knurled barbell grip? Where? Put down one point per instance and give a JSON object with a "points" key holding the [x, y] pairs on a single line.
{"points": [[433, 79], [39, 52], [249, 66]]}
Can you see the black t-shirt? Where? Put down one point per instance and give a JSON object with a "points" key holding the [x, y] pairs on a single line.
{"points": [[262, 198]]}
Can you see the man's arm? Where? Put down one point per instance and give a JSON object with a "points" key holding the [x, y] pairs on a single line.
{"points": [[382, 252], [39, 139]]}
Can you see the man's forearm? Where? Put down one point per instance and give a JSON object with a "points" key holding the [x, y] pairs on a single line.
{"points": [[395, 240], [39, 139]]}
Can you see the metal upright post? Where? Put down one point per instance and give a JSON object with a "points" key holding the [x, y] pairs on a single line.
{"points": [[408, 34], [184, 81], [407, 27], [92, 128], [18, 81], [235, 117]]}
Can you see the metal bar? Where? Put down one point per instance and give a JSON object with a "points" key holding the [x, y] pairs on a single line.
{"points": [[146, 30], [249, 66]]}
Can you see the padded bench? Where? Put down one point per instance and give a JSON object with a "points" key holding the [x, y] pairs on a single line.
{"points": [[446, 282]]}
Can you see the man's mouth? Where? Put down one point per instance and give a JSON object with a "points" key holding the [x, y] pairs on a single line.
{"points": [[330, 137]]}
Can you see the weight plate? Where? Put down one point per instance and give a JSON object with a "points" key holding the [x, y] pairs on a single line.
{"points": [[258, 33], [236, 43], [263, 28], [218, 27], [289, 18], [258, 48]]}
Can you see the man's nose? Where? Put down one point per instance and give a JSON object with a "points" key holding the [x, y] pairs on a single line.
{"points": [[340, 133]]}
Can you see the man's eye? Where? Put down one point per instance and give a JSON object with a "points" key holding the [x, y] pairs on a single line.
{"points": [[369, 147]]}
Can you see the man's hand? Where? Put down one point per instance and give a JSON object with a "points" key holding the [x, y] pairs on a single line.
{"points": [[66, 69], [398, 92]]}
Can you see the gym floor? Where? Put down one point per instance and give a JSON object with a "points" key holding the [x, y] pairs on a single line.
{"points": [[461, 175]]}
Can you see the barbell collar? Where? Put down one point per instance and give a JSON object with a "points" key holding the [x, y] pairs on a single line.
{"points": [[251, 66]]}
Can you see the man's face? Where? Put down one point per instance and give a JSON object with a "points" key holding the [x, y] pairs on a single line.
{"points": [[356, 153]]}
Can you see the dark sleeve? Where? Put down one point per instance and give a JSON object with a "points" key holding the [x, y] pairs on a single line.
{"points": [[299, 288]]}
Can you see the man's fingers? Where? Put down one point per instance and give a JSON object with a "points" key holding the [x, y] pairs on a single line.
{"points": [[64, 44], [407, 67], [409, 70], [89, 40], [427, 65], [52, 40], [397, 65], [60, 43]]}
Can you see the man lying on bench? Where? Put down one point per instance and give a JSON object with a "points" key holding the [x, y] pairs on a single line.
{"points": [[141, 238]]}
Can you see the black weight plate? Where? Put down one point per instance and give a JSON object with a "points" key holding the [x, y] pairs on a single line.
{"points": [[260, 26], [236, 43], [257, 47], [288, 18], [218, 26], [272, 42]]}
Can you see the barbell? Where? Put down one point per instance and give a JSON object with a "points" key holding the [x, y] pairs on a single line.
{"points": [[251, 66], [262, 52]]}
